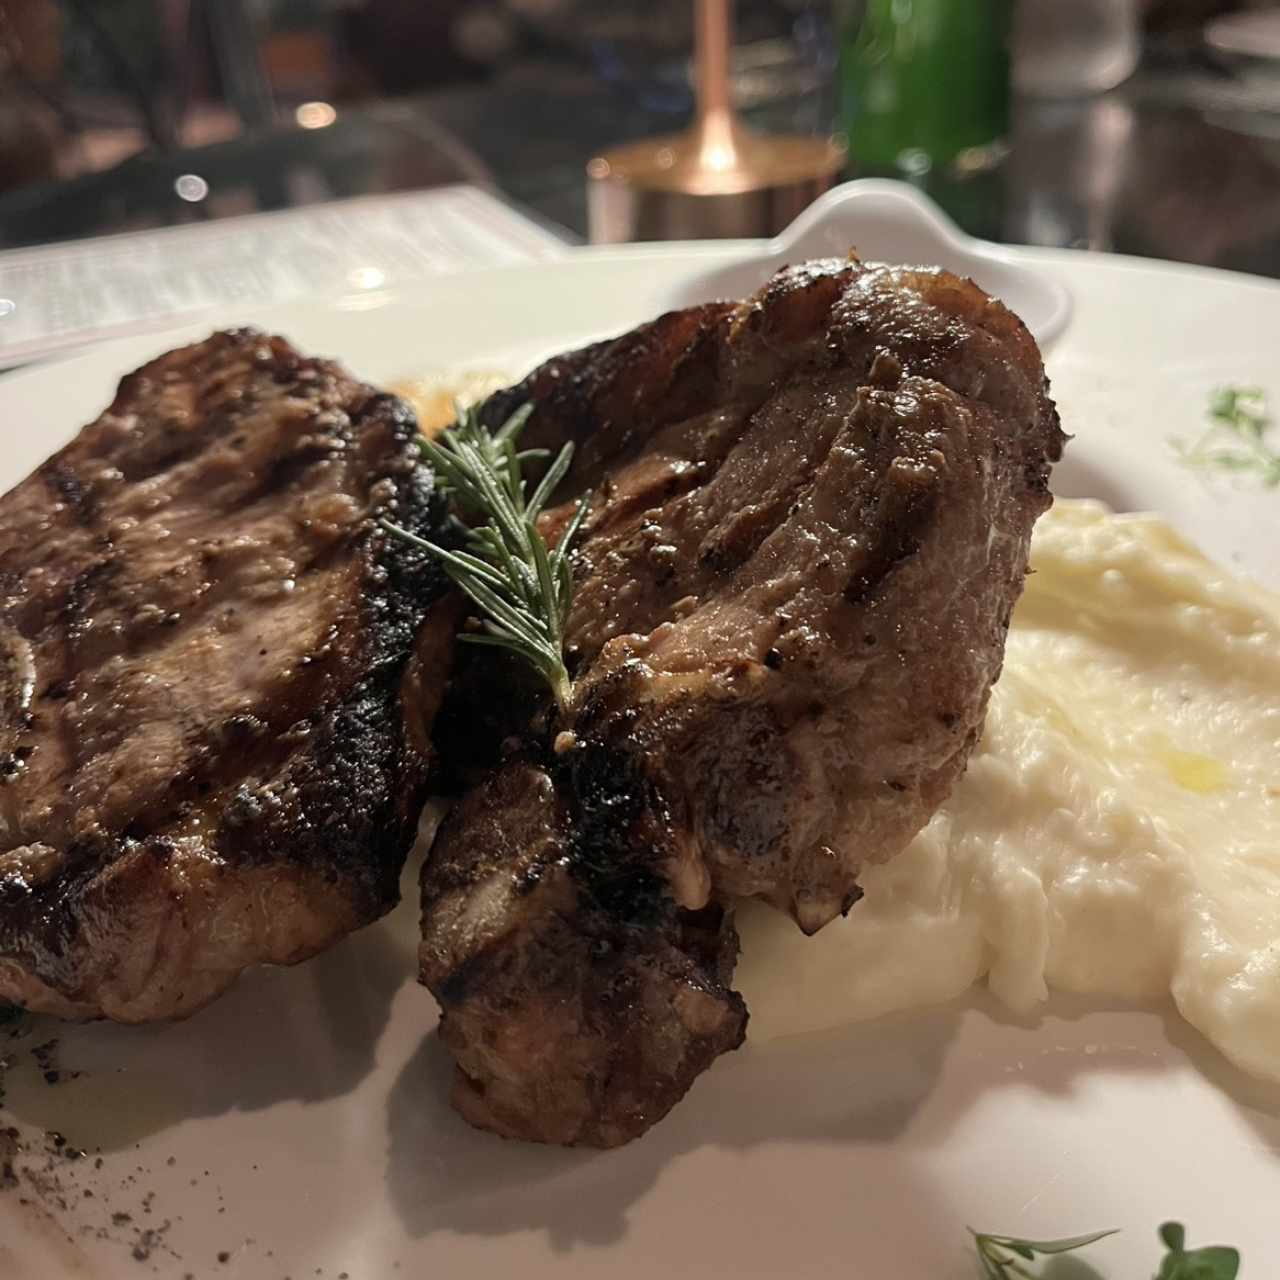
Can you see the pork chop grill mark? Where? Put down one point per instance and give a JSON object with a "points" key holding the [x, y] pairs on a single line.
{"points": [[906, 526], [610, 793]]}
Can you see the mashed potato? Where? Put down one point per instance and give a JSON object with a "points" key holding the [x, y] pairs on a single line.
{"points": [[1118, 830], [432, 396]]}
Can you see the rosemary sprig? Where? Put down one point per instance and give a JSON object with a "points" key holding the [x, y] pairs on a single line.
{"points": [[1002, 1257], [523, 589], [1237, 437], [468, 428]]}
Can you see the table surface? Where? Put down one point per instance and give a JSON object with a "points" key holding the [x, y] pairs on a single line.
{"points": [[1180, 162]]}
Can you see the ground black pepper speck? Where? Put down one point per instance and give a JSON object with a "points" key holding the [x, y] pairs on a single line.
{"points": [[95, 1199], [8, 1153], [148, 1241], [46, 1059], [51, 1170]]}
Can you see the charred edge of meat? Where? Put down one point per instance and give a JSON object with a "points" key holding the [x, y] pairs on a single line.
{"points": [[581, 1009], [607, 790], [491, 700], [583, 396], [356, 804], [610, 794]]}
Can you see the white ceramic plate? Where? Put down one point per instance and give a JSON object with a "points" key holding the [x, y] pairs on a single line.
{"points": [[299, 1126], [887, 221]]}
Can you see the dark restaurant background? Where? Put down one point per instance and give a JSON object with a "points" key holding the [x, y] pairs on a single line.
{"points": [[126, 114]]}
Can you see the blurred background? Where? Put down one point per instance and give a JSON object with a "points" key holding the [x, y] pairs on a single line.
{"points": [[1139, 126]]}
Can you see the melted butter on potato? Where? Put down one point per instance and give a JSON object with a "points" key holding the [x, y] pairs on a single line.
{"points": [[432, 395], [1118, 830]]}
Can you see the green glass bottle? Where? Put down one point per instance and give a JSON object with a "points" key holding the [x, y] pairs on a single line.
{"points": [[924, 83]]}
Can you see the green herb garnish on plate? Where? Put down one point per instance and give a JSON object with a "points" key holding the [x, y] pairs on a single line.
{"points": [[1005, 1257], [523, 588], [1002, 1257], [1238, 439], [1213, 1262]]}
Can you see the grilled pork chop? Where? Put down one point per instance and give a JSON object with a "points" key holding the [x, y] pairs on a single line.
{"points": [[215, 719], [811, 520]]}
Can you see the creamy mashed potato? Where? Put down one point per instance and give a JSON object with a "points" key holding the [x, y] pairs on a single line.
{"points": [[1118, 830], [433, 395]]}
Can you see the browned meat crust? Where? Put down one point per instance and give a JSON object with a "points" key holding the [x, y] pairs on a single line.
{"points": [[580, 1002], [215, 718], [812, 520]]}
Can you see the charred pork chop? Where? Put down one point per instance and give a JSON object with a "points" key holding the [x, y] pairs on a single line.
{"points": [[214, 737], [811, 520]]}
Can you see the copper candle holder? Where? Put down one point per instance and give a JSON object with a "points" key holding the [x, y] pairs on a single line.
{"points": [[718, 179]]}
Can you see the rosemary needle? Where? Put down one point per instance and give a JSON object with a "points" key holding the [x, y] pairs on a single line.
{"points": [[523, 589]]}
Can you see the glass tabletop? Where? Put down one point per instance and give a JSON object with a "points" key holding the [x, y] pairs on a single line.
{"points": [[1182, 161]]}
